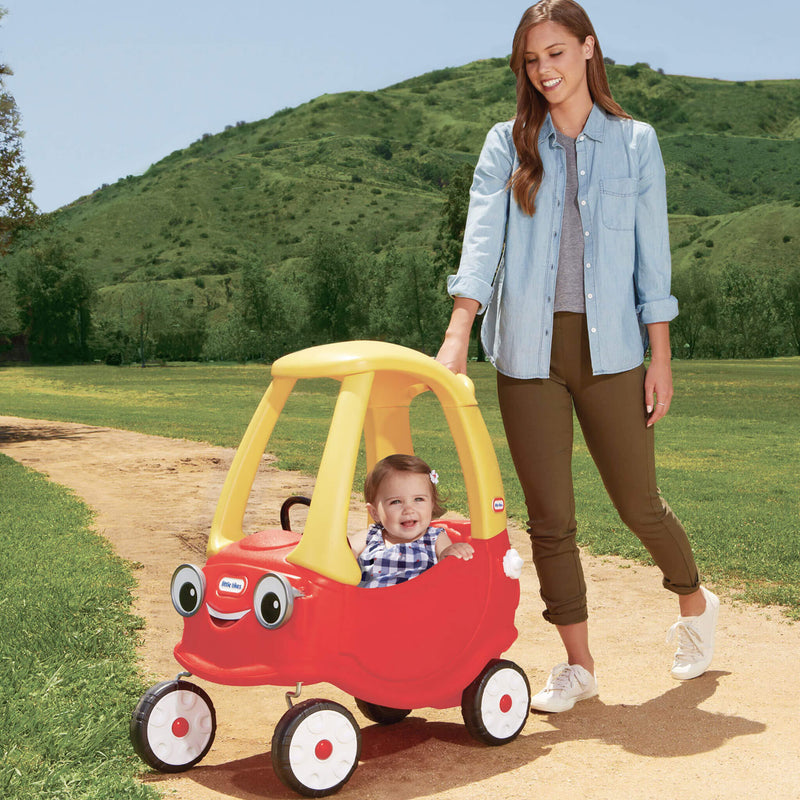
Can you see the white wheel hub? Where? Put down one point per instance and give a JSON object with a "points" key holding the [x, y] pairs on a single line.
{"points": [[504, 703], [323, 749], [179, 727]]}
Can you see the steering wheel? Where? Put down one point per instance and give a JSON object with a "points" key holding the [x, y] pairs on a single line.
{"points": [[294, 500]]}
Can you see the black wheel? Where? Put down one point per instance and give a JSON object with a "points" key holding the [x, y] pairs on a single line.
{"points": [[495, 706], [173, 726], [316, 747], [383, 715], [294, 500]]}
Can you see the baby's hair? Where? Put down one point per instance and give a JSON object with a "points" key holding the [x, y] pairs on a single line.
{"points": [[400, 462]]}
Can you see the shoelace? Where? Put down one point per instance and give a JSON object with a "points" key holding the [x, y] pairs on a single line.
{"points": [[565, 679], [688, 641]]}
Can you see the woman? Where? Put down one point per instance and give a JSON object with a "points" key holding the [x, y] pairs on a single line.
{"points": [[566, 250]]}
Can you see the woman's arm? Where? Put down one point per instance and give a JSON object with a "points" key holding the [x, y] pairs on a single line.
{"points": [[484, 235], [652, 268]]}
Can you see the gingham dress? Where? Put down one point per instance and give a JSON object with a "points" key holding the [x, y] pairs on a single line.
{"points": [[398, 563]]}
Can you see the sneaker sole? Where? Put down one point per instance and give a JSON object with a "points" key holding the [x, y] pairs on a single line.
{"points": [[545, 709]]}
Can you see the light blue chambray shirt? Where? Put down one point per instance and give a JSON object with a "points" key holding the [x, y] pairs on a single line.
{"points": [[626, 276]]}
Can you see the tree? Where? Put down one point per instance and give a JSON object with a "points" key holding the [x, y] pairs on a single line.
{"points": [[232, 339], [789, 306], [415, 305], [695, 325], [748, 316], [16, 207], [54, 298], [337, 291], [270, 306], [9, 322], [451, 233], [453, 220], [183, 335]]}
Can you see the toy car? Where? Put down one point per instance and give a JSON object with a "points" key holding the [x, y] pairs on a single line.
{"points": [[284, 609]]}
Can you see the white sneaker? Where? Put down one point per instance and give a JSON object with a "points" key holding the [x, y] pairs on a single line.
{"points": [[695, 640], [567, 684]]}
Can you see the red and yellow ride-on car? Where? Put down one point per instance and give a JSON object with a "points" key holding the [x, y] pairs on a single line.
{"points": [[284, 609]]}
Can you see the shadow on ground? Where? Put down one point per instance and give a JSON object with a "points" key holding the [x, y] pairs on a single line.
{"points": [[407, 760], [19, 434]]}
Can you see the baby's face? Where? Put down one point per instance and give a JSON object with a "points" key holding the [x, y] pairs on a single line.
{"points": [[403, 505]]}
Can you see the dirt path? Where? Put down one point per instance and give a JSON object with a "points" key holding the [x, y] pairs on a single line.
{"points": [[733, 733]]}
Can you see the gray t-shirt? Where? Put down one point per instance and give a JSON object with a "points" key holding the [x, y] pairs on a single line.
{"points": [[569, 279]]}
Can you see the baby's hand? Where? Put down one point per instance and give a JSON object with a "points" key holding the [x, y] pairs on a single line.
{"points": [[459, 550]]}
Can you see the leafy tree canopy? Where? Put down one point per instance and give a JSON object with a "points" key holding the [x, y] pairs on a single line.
{"points": [[16, 185]]}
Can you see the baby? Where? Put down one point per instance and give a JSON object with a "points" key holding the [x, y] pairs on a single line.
{"points": [[402, 498]]}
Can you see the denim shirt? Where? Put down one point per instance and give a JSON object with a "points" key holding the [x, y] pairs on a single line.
{"points": [[509, 259]]}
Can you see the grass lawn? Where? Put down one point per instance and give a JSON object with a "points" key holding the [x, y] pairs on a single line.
{"points": [[66, 652], [727, 458], [727, 453]]}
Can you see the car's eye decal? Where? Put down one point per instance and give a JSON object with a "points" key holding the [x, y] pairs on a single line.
{"points": [[188, 588], [273, 600]]}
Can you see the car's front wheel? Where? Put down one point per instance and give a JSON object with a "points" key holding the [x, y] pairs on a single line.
{"points": [[173, 726], [316, 747]]}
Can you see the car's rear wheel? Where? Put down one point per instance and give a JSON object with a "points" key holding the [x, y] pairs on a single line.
{"points": [[495, 706], [384, 715]]}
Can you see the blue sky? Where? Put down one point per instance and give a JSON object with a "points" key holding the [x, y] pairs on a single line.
{"points": [[106, 88]]}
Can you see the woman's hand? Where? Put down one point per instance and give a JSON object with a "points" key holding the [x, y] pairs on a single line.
{"points": [[658, 388], [453, 353], [455, 347], [657, 391]]}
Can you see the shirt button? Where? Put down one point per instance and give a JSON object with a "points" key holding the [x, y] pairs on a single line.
{"points": [[588, 266], [586, 233], [583, 172], [594, 330], [583, 202], [590, 296]]}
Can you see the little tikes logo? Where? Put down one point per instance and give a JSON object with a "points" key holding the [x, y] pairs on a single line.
{"points": [[231, 585], [498, 504]]}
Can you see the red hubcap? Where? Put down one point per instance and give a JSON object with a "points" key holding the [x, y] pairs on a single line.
{"points": [[505, 703], [323, 750], [180, 727]]}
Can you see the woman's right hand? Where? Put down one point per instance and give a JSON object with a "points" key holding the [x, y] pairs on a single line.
{"points": [[453, 353], [455, 347]]}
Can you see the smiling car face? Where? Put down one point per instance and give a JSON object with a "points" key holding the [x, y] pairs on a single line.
{"points": [[272, 599]]}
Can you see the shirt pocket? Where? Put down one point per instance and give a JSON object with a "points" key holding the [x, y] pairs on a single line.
{"points": [[618, 202]]}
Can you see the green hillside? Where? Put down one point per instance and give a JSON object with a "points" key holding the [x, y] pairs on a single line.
{"points": [[374, 168], [764, 238]]}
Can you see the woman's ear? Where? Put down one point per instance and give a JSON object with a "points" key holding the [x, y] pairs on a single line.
{"points": [[588, 47]]}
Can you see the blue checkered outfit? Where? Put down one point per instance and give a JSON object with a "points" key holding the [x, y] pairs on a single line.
{"points": [[397, 563]]}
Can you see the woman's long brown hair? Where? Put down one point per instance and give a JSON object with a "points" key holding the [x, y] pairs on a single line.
{"points": [[532, 106]]}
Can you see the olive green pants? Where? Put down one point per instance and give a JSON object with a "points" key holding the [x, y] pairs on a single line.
{"points": [[537, 415]]}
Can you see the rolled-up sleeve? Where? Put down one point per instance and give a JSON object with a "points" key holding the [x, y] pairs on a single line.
{"points": [[485, 228], [652, 266]]}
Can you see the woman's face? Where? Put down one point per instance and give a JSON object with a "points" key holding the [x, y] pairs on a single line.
{"points": [[556, 61]]}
